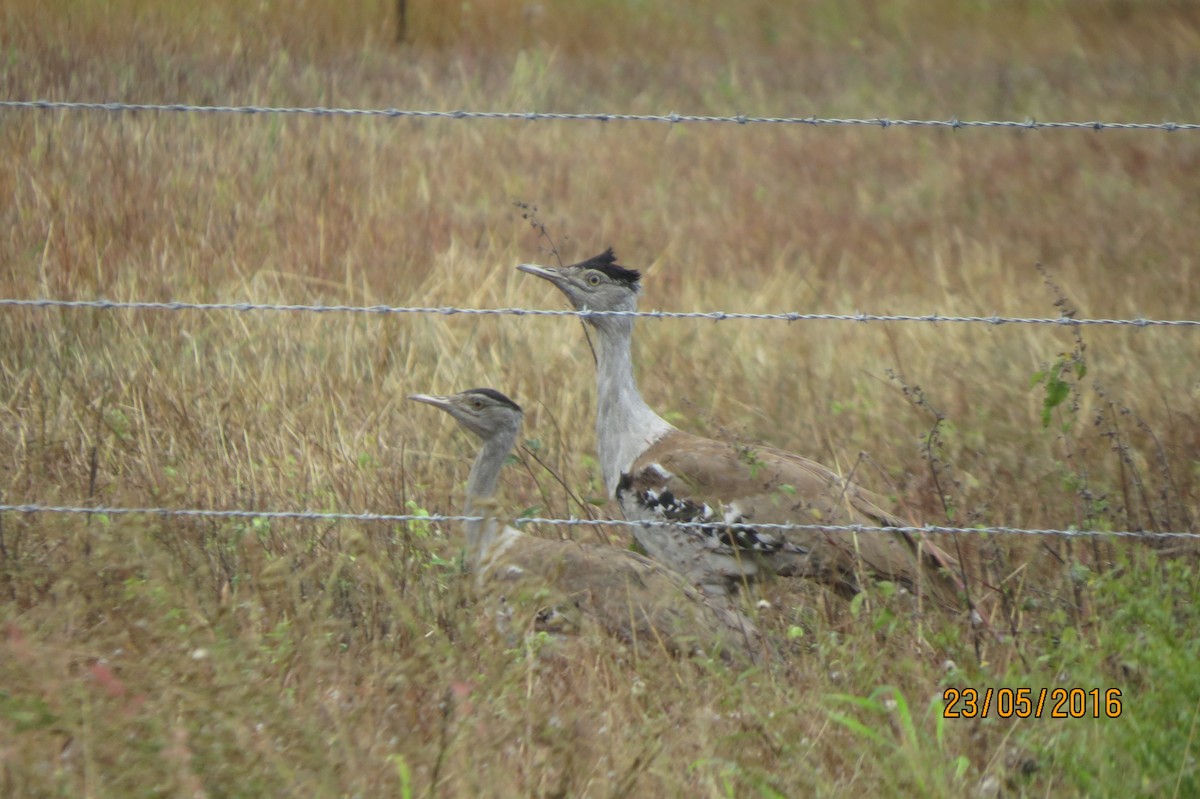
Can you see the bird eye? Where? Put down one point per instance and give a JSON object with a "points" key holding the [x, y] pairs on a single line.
{"points": [[593, 279], [477, 405]]}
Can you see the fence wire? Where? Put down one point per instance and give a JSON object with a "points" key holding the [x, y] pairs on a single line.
{"points": [[319, 516], [532, 116], [718, 316]]}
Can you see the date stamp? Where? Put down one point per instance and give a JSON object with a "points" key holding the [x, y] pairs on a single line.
{"points": [[1026, 703]]}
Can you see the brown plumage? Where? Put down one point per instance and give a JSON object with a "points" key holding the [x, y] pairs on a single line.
{"points": [[741, 486], [560, 586], [563, 586], [658, 473]]}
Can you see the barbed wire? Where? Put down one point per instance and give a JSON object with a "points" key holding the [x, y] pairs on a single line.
{"points": [[532, 116], [305, 515], [718, 316]]}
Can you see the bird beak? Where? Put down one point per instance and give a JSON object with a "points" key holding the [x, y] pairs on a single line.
{"points": [[431, 399], [549, 274]]}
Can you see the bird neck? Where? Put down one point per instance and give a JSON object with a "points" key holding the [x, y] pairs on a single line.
{"points": [[625, 424], [481, 487]]}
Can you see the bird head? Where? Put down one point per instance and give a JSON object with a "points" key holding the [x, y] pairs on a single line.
{"points": [[483, 411], [597, 284]]}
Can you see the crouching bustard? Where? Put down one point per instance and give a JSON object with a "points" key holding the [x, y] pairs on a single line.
{"points": [[662, 474], [631, 597]]}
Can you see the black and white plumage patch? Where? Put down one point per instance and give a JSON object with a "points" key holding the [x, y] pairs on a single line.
{"points": [[606, 262], [725, 531]]}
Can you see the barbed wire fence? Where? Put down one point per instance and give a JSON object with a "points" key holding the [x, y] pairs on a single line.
{"points": [[534, 116], [326, 516], [384, 310], [717, 316]]}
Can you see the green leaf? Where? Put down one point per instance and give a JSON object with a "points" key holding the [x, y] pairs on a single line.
{"points": [[1057, 390], [402, 771], [901, 713], [26, 713], [865, 702], [856, 726]]}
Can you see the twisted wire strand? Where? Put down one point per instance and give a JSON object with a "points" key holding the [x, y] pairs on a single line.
{"points": [[306, 515], [384, 310], [532, 116]]}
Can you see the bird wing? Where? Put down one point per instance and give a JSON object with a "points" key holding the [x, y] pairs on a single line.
{"points": [[683, 477]]}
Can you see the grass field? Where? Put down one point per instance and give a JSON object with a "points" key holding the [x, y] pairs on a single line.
{"points": [[199, 657]]}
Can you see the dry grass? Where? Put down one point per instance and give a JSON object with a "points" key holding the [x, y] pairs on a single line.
{"points": [[229, 658]]}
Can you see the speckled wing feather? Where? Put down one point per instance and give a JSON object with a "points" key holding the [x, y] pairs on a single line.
{"points": [[686, 477]]}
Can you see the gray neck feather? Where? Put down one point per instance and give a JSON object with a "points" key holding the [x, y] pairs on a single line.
{"points": [[481, 487], [625, 424]]}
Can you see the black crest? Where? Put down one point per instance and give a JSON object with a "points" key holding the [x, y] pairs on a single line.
{"points": [[606, 262], [495, 395]]}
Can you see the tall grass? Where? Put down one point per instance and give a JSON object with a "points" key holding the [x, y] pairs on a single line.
{"points": [[251, 658]]}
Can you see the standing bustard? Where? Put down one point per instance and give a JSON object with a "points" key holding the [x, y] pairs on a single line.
{"points": [[660, 473], [631, 597]]}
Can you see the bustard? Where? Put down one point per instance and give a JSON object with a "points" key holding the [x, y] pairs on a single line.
{"points": [[660, 473], [631, 597]]}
